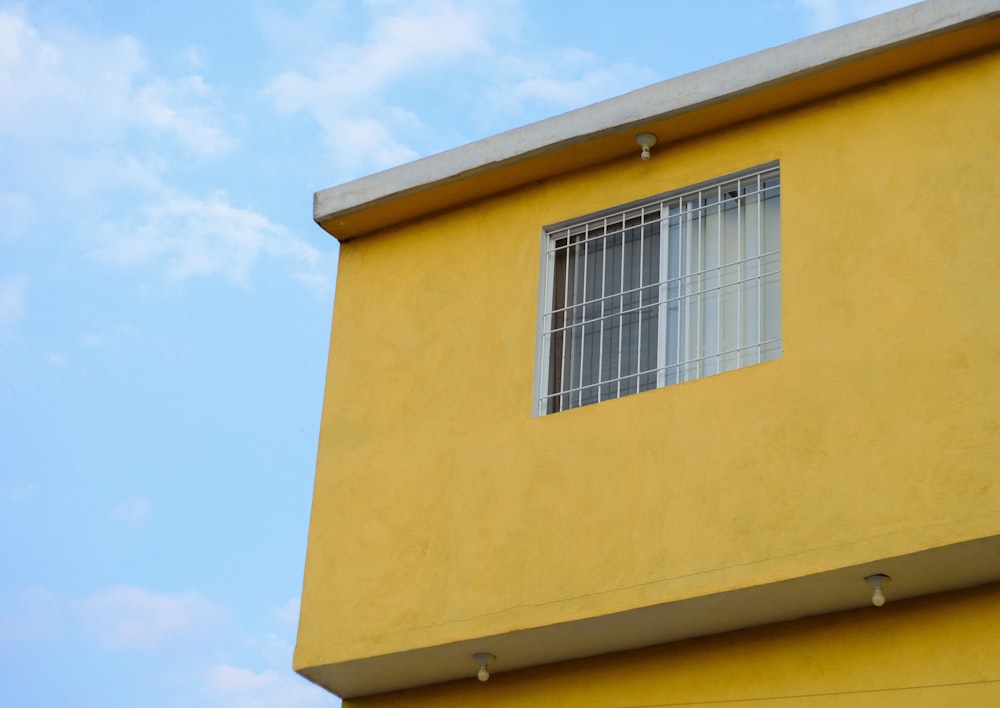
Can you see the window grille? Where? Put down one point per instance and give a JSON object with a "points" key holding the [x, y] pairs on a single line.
{"points": [[670, 289]]}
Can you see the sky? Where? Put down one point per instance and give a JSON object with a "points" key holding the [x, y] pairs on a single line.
{"points": [[165, 298]]}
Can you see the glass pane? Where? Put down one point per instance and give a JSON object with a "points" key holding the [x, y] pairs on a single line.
{"points": [[635, 305]]}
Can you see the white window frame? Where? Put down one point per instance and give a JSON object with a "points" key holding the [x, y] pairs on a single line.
{"points": [[719, 245]]}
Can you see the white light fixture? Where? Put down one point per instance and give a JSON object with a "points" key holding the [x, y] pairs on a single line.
{"points": [[877, 582], [645, 141], [483, 659]]}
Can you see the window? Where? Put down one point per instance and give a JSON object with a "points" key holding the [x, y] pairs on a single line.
{"points": [[669, 289]]}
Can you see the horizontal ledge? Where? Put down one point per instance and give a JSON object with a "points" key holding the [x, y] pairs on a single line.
{"points": [[927, 572]]}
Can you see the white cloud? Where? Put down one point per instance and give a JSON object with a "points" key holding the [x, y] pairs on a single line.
{"points": [[826, 14], [132, 511], [484, 71], [189, 236], [276, 650], [83, 117], [236, 687], [403, 41], [16, 213], [12, 306], [17, 492], [103, 84], [55, 359], [127, 617], [288, 614], [346, 85], [273, 683], [39, 81], [183, 109], [29, 614], [320, 279], [114, 337], [562, 79], [230, 679]]}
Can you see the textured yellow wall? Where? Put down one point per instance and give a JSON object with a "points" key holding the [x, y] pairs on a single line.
{"points": [[936, 651], [443, 510]]}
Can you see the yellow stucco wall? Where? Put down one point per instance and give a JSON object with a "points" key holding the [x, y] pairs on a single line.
{"points": [[936, 651], [443, 510]]}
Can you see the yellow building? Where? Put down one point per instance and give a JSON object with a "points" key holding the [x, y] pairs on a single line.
{"points": [[641, 429]]}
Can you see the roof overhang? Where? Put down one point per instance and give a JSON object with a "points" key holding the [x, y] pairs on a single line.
{"points": [[726, 94], [936, 570]]}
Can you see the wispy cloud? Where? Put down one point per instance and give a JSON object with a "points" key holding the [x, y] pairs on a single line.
{"points": [[273, 685], [132, 511], [487, 78], [288, 614], [104, 83], [135, 137], [114, 336], [18, 492], [31, 613], [824, 14], [343, 87], [12, 296], [128, 617], [237, 687], [192, 236], [16, 214], [55, 359], [186, 110], [402, 41], [562, 78]]}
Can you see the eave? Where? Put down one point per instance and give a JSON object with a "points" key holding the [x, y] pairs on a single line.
{"points": [[759, 84], [935, 570]]}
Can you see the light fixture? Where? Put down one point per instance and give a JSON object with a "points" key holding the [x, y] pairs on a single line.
{"points": [[877, 582], [645, 141], [483, 658]]}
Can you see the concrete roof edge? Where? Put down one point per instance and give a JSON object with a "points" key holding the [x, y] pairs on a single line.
{"points": [[737, 77]]}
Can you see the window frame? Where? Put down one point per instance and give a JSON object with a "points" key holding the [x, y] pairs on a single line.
{"points": [[547, 274]]}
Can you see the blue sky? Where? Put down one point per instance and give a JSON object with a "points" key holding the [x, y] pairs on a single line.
{"points": [[165, 298]]}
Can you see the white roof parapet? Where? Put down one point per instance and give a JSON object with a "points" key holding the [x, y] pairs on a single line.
{"points": [[732, 79]]}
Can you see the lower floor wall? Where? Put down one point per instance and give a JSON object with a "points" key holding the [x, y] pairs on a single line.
{"points": [[942, 650]]}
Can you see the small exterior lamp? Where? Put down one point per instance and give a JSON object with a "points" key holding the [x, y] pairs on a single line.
{"points": [[877, 582], [645, 141], [483, 659]]}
